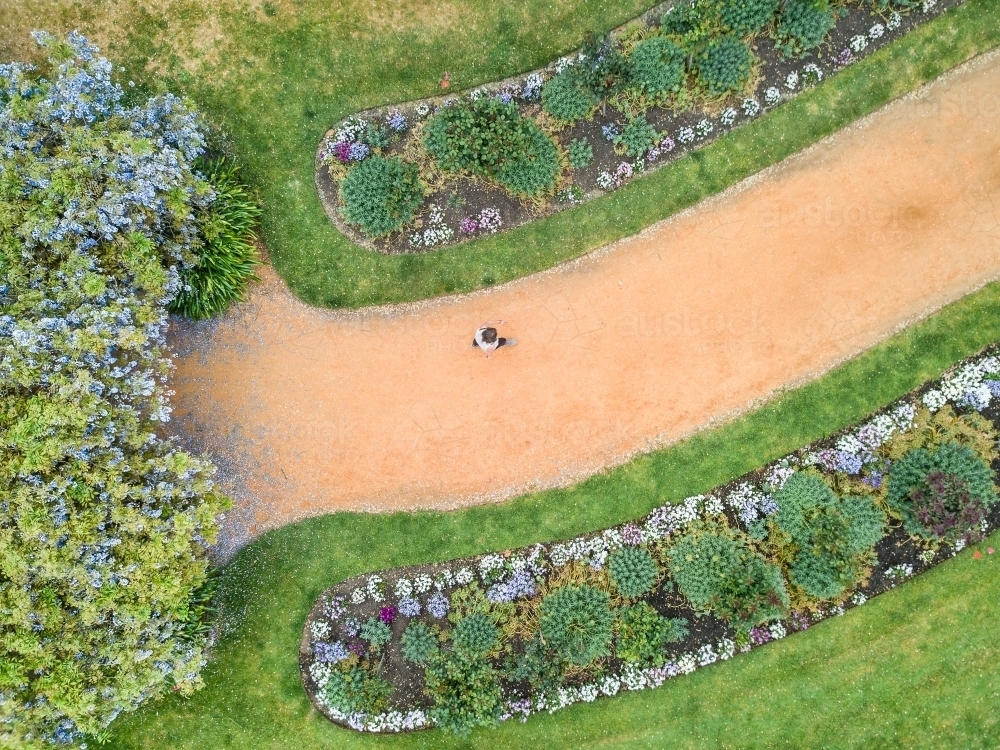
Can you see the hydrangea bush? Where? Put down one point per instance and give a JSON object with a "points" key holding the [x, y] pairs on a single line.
{"points": [[104, 525], [807, 537]]}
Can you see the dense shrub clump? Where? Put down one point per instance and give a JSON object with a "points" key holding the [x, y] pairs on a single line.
{"points": [[657, 66], [577, 622], [354, 689], [566, 98], [475, 634], [381, 194], [725, 66], [418, 643], [633, 571], [465, 689], [747, 16], [942, 494], [580, 153], [105, 525], [637, 137], [802, 26], [642, 634]]}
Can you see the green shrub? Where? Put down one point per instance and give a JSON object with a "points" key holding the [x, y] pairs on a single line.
{"points": [[747, 16], [580, 152], [637, 137], [689, 21], [354, 689], [657, 66], [943, 494], [535, 171], [542, 667], [577, 622], [642, 633], [802, 26], [721, 575], [376, 632], [465, 689], [725, 65], [603, 71], [633, 571], [227, 256], [418, 643], [831, 540], [105, 525], [381, 194], [476, 634], [565, 97]]}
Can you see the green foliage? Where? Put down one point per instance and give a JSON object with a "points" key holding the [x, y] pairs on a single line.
{"points": [[642, 634], [689, 22], [566, 98], [542, 667], [722, 575], [577, 622], [489, 138], [376, 632], [580, 152], [475, 634], [227, 256], [657, 66], [633, 571], [968, 482], [831, 540], [465, 689], [354, 689], [418, 643], [637, 137], [747, 16], [802, 26], [381, 194], [725, 65], [603, 71], [105, 526]]}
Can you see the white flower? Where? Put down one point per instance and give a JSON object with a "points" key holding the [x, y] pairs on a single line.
{"points": [[375, 588], [934, 400], [728, 117], [319, 629], [685, 135], [605, 180], [562, 63], [772, 95], [687, 664], [751, 107], [927, 5], [876, 31], [813, 70], [791, 81], [777, 631], [358, 596], [703, 128], [463, 576], [713, 506], [422, 583], [403, 587], [894, 21], [610, 685], [859, 598], [859, 42], [423, 109], [707, 655]]}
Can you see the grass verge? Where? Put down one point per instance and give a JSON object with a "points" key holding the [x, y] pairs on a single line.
{"points": [[914, 668]]}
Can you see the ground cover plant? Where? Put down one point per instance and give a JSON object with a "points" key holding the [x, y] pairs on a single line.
{"points": [[802, 539], [914, 664], [105, 524], [637, 99]]}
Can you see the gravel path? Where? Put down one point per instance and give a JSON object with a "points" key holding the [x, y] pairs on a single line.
{"points": [[309, 411]]}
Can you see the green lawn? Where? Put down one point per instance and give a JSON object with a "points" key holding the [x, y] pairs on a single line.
{"points": [[275, 75], [914, 668]]}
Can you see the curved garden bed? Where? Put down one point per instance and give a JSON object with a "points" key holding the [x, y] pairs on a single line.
{"points": [[405, 179], [475, 641]]}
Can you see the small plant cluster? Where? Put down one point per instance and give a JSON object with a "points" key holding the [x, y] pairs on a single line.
{"points": [[538, 138], [537, 629], [107, 217]]}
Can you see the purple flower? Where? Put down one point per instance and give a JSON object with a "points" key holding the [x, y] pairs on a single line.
{"points": [[610, 131], [799, 621], [994, 387], [330, 653], [873, 480], [359, 151], [352, 627], [489, 220], [835, 460], [341, 152], [760, 636], [975, 398], [468, 225], [521, 584], [437, 605], [357, 647], [387, 614], [409, 607], [631, 535], [396, 121]]}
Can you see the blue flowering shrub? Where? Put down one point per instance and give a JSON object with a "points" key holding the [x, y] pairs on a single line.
{"points": [[805, 538], [104, 525]]}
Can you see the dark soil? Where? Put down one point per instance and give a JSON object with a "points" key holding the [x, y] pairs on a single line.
{"points": [[465, 196]]}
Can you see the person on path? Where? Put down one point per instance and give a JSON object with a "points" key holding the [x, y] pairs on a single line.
{"points": [[487, 339]]}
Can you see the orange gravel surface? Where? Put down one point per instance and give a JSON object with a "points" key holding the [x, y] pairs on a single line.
{"points": [[310, 411]]}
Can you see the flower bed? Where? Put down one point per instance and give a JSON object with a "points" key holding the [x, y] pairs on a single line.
{"points": [[475, 641], [422, 175]]}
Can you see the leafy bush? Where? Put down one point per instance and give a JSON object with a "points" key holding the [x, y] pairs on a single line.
{"points": [[720, 574], [227, 258], [637, 137], [747, 16], [566, 98], [657, 66], [492, 139], [642, 634], [535, 171], [105, 526], [581, 154], [690, 21], [376, 632], [465, 689], [577, 622], [831, 540], [418, 643], [942, 494], [354, 689], [802, 26], [603, 70], [725, 65], [633, 571], [542, 667], [381, 194], [476, 634]]}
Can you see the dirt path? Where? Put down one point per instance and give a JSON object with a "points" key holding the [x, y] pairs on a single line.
{"points": [[310, 411]]}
